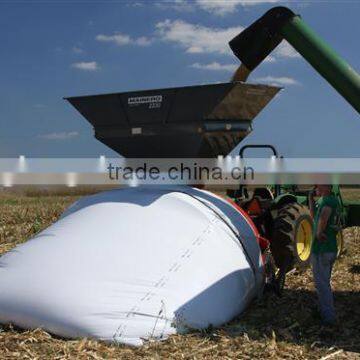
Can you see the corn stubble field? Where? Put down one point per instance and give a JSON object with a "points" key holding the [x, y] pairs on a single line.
{"points": [[272, 327]]}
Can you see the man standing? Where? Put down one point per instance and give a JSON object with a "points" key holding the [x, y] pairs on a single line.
{"points": [[324, 248]]}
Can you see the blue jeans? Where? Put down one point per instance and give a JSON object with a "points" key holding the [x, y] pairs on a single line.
{"points": [[322, 265]]}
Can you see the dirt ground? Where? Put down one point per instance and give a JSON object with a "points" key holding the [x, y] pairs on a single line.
{"points": [[273, 327]]}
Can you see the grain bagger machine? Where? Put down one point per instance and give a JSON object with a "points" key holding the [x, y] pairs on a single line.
{"points": [[210, 120]]}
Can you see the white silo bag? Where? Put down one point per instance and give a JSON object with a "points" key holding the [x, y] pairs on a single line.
{"points": [[133, 264]]}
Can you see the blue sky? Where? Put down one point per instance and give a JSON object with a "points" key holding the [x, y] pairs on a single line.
{"points": [[52, 49]]}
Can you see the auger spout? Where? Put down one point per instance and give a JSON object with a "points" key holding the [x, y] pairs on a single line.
{"points": [[257, 41]]}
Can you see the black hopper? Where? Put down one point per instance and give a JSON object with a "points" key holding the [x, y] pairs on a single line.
{"points": [[193, 121]]}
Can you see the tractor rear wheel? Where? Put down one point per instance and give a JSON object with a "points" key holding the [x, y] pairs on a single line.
{"points": [[292, 236]]}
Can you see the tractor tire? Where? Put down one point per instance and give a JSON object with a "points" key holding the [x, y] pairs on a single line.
{"points": [[292, 237]]}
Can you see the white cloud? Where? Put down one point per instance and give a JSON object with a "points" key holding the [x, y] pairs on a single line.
{"points": [[216, 7], [285, 50], [197, 38], [123, 39], [86, 66], [215, 66], [77, 50], [135, 4], [118, 39], [178, 5], [278, 81], [224, 7], [142, 41], [59, 135]]}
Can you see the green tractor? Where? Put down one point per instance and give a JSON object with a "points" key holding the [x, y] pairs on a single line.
{"points": [[211, 120], [282, 215]]}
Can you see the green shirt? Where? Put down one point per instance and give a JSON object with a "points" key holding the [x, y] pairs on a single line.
{"points": [[329, 245]]}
